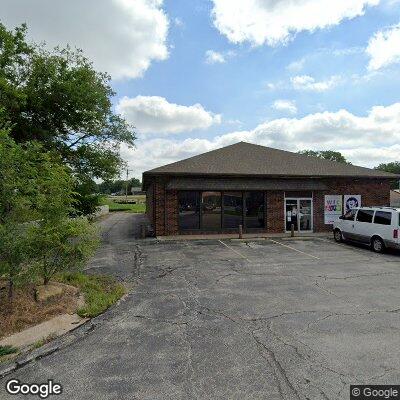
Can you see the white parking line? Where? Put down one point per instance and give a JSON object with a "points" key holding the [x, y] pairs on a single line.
{"points": [[292, 248], [235, 251]]}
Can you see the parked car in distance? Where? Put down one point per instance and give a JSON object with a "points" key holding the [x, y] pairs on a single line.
{"points": [[379, 227]]}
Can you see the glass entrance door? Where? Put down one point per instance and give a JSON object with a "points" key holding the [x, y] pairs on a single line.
{"points": [[298, 212]]}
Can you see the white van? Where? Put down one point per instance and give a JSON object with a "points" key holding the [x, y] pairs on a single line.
{"points": [[378, 227]]}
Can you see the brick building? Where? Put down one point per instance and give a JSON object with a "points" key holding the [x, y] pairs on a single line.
{"points": [[262, 189]]}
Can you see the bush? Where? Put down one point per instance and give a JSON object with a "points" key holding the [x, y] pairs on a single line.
{"points": [[6, 350], [63, 245], [100, 291]]}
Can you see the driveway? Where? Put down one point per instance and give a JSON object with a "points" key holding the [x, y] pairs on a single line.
{"points": [[265, 319]]}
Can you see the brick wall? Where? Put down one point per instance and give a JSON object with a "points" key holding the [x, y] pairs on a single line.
{"points": [[149, 203], [373, 192], [275, 211]]}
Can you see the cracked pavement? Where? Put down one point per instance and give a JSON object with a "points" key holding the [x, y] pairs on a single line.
{"points": [[282, 319]]}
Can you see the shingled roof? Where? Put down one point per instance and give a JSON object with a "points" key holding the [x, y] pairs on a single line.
{"points": [[246, 159]]}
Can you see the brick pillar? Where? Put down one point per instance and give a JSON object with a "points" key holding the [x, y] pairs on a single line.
{"points": [[319, 212], [275, 212], [159, 208], [172, 213]]}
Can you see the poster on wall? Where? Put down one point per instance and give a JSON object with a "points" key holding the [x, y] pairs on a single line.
{"points": [[351, 201], [333, 208]]}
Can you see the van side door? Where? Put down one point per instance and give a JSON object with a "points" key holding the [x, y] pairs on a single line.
{"points": [[363, 227]]}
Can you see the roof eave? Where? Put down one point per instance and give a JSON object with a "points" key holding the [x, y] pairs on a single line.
{"points": [[199, 174]]}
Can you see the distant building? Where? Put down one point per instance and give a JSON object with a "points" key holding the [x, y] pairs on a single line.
{"points": [[137, 191], [395, 198]]}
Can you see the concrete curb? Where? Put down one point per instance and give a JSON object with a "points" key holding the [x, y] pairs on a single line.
{"points": [[47, 349], [244, 239], [59, 343]]}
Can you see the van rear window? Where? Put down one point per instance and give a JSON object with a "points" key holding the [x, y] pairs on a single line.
{"points": [[365, 215], [383, 218]]}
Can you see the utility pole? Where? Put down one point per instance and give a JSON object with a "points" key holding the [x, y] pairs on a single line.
{"points": [[126, 185]]}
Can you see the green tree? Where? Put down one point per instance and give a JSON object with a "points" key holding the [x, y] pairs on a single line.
{"points": [[118, 186], [59, 243], [18, 196], [62, 246], [394, 168], [56, 97], [327, 155]]}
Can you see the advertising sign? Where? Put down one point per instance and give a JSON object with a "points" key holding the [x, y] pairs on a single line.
{"points": [[351, 201], [333, 208]]}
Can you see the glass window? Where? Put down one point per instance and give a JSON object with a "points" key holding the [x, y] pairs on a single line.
{"points": [[383, 218], [349, 216], [365, 215], [233, 209], [211, 210], [254, 210], [189, 210]]}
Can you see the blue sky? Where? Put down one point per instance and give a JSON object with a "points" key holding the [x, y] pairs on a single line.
{"points": [[196, 75]]}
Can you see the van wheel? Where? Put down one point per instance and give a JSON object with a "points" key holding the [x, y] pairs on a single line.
{"points": [[377, 245], [338, 236]]}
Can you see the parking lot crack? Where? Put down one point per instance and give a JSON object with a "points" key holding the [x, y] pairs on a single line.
{"points": [[164, 321], [286, 390]]}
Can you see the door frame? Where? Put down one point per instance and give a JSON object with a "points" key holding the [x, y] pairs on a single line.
{"points": [[298, 199]]}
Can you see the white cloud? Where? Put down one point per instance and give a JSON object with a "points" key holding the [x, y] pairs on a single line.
{"points": [[384, 48], [306, 82], [366, 140], [215, 57], [121, 37], [178, 22], [296, 65], [285, 105], [154, 114], [277, 21]]}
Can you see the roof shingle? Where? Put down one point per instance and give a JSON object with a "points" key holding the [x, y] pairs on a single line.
{"points": [[246, 159]]}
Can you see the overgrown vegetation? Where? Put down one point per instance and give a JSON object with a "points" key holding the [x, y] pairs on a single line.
{"points": [[58, 134], [100, 291], [37, 235], [56, 98], [6, 350]]}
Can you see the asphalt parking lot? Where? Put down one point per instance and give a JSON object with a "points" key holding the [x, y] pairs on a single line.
{"points": [[229, 319]]}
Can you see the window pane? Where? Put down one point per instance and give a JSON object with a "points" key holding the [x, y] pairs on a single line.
{"points": [[349, 216], [383, 218], [365, 215], [211, 209], [233, 209], [189, 210], [254, 210]]}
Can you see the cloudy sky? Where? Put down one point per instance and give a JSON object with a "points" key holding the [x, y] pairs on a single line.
{"points": [[200, 74]]}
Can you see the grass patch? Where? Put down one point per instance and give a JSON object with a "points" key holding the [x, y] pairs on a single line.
{"points": [[100, 291], [6, 350], [139, 207]]}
